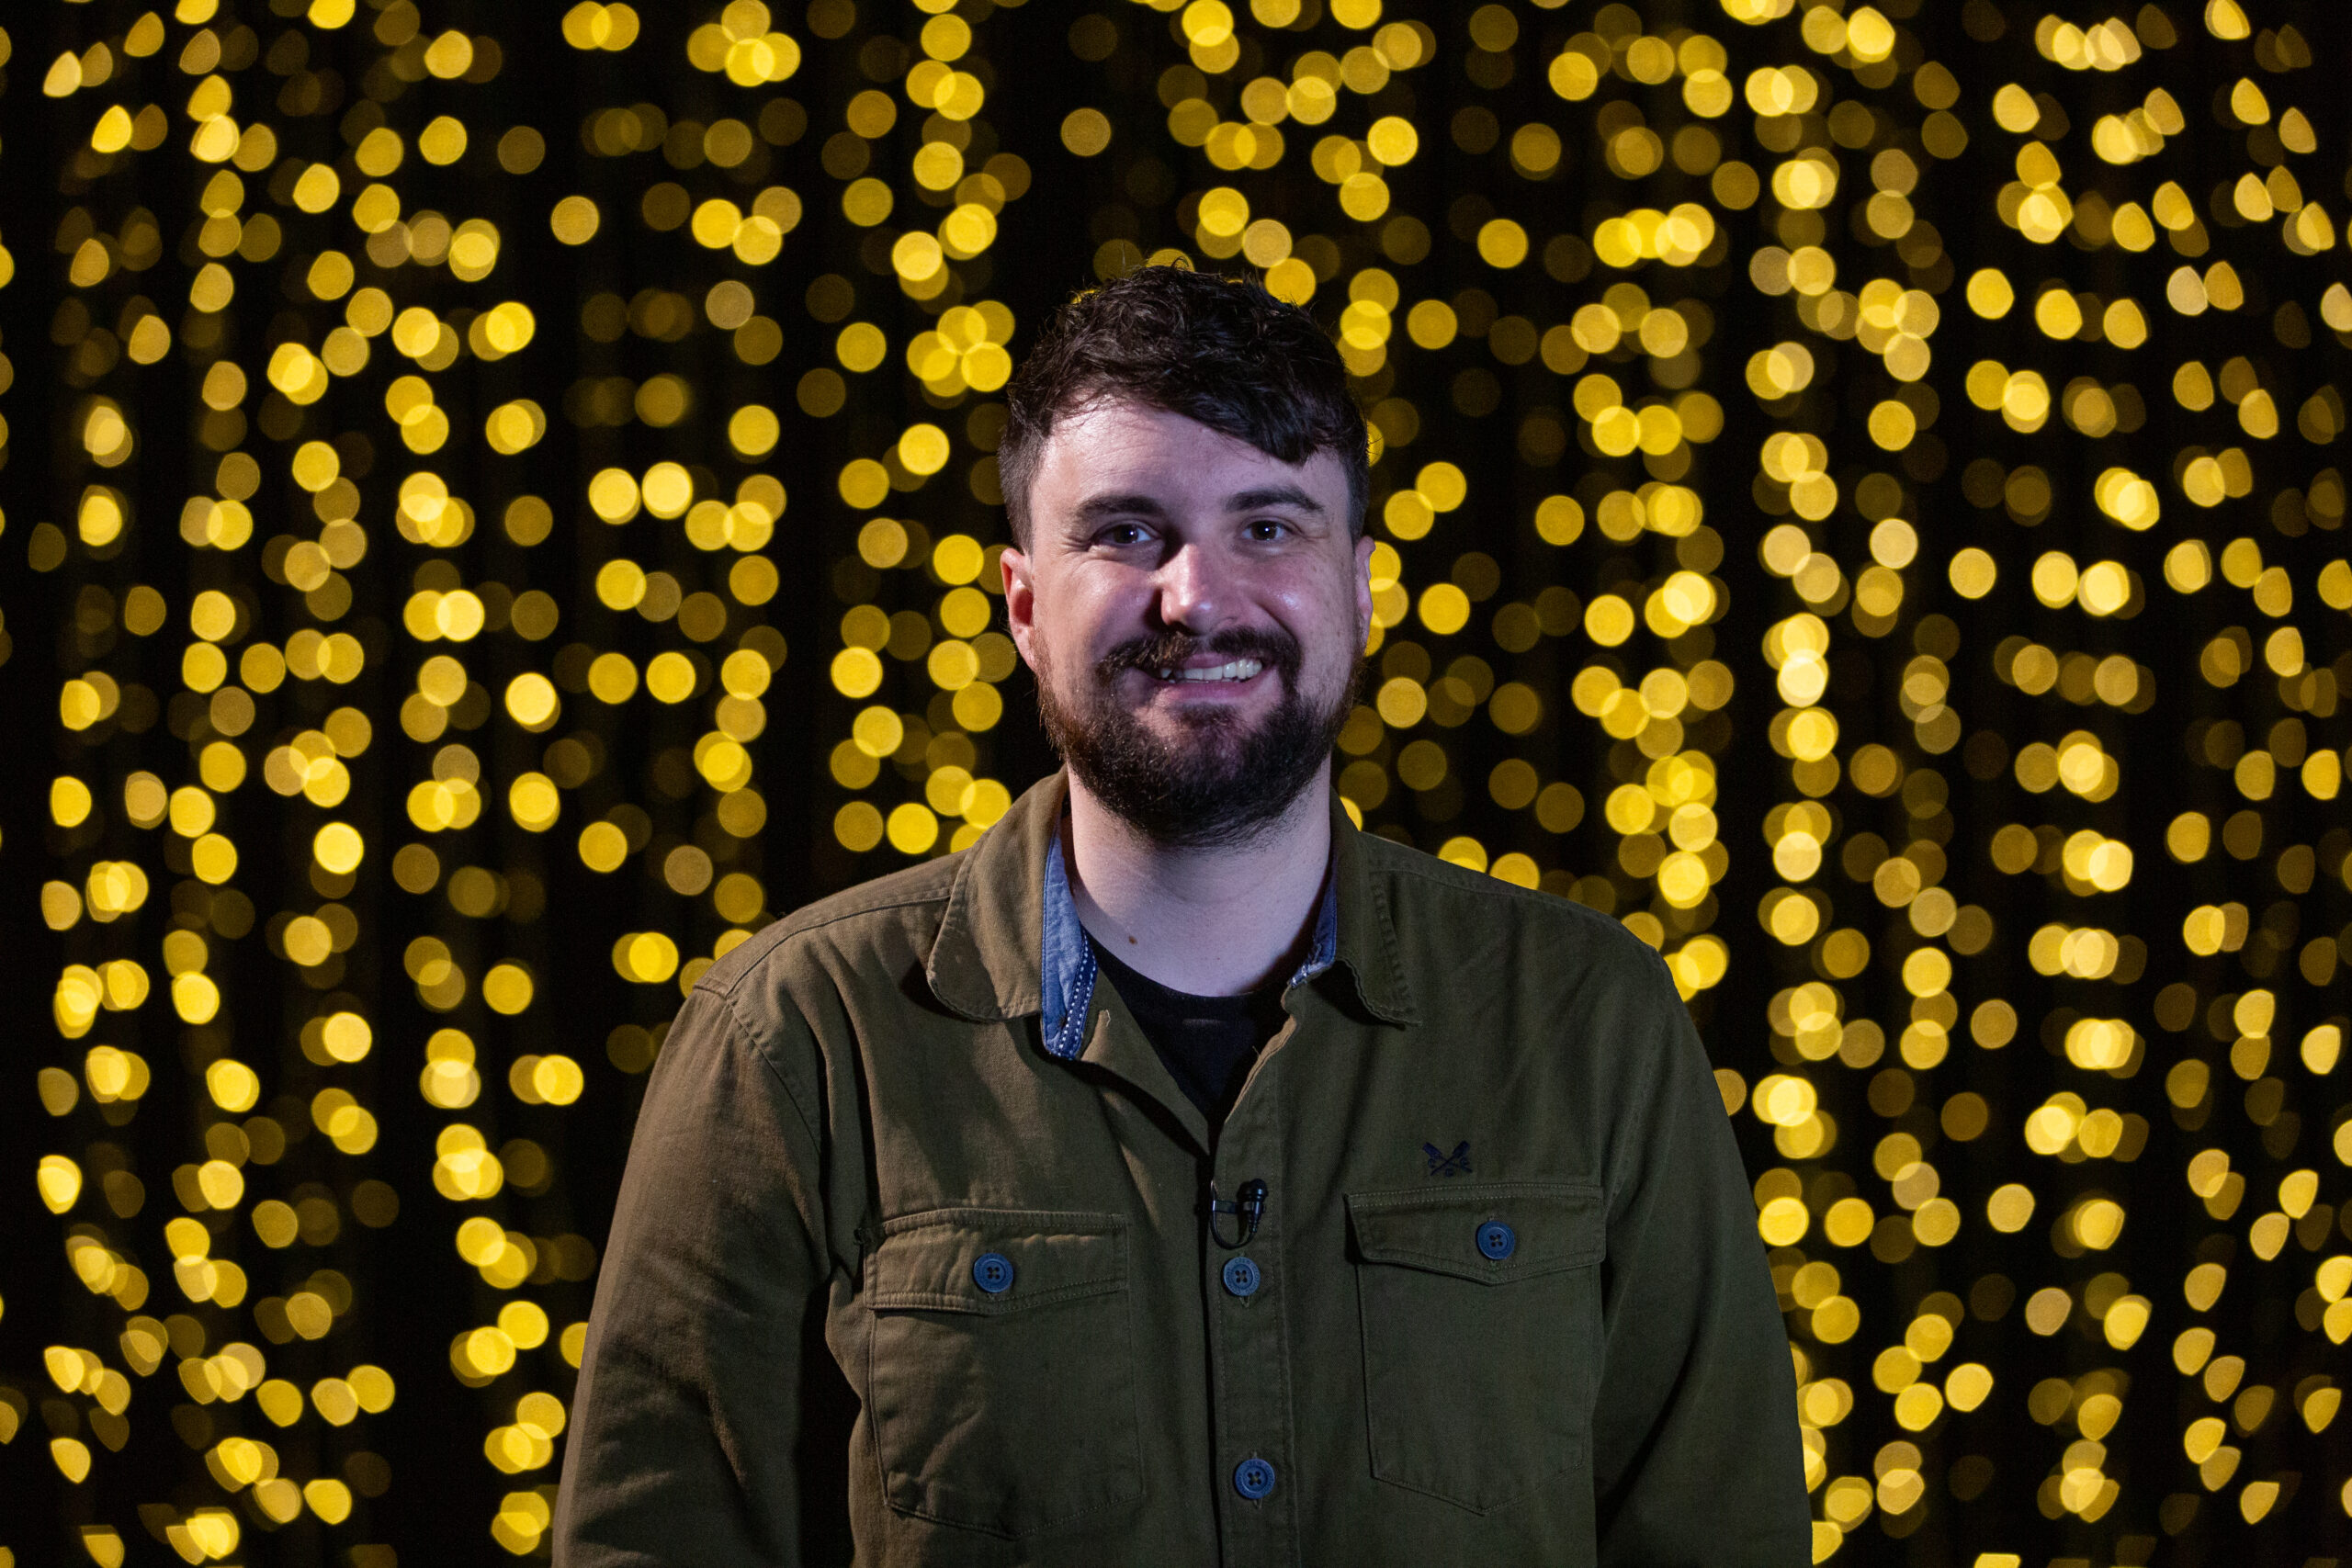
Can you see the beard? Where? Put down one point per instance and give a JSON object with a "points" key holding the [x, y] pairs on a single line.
{"points": [[1227, 780]]}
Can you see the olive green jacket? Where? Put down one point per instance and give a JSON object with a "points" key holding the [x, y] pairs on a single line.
{"points": [[1504, 1301]]}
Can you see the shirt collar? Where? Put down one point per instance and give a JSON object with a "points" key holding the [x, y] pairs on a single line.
{"points": [[1010, 942], [1068, 970]]}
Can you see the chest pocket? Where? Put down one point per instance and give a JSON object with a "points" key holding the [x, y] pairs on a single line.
{"points": [[1002, 1383], [1481, 1316]]}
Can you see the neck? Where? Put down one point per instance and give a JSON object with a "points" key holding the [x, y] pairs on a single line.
{"points": [[1213, 921]]}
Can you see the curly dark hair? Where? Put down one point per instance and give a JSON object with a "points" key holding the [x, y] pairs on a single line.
{"points": [[1219, 350]]}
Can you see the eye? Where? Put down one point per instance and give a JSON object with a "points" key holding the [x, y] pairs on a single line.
{"points": [[1266, 530], [1122, 536]]}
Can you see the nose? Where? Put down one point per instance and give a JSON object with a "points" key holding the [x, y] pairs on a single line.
{"points": [[1193, 589]]}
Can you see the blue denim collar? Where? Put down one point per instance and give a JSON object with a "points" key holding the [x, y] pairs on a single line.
{"points": [[1069, 969]]}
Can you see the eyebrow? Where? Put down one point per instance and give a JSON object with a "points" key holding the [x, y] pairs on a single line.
{"points": [[1102, 508], [1274, 495], [1097, 508]]}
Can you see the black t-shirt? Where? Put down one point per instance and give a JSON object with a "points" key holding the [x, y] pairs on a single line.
{"points": [[1209, 1043]]}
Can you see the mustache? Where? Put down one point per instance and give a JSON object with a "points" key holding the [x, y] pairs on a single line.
{"points": [[1271, 646]]}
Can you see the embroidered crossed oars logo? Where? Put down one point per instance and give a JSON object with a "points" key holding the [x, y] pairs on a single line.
{"points": [[1455, 1163]]}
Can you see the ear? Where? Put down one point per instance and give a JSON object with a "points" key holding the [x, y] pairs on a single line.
{"points": [[1020, 601], [1363, 589]]}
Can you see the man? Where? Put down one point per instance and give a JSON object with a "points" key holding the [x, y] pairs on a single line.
{"points": [[1180, 1176]]}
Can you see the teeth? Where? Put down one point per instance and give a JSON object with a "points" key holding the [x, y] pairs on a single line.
{"points": [[1238, 670]]}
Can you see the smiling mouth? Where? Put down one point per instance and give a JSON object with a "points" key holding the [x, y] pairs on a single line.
{"points": [[1236, 670]]}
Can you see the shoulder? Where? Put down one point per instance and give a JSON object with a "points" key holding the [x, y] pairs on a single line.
{"points": [[782, 994], [883, 918], [1438, 902], [1573, 999]]}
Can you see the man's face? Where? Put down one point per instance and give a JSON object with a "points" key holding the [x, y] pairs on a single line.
{"points": [[1196, 613]]}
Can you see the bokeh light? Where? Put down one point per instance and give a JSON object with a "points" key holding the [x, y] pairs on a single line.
{"points": [[498, 515]]}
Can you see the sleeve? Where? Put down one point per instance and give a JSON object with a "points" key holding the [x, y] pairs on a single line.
{"points": [[686, 1419], [1697, 1453]]}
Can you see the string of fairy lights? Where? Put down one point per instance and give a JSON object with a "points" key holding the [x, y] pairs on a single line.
{"points": [[1855, 500]]}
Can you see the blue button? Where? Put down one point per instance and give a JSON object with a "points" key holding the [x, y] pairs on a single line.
{"points": [[1496, 1240], [1242, 1277], [1253, 1478], [992, 1272]]}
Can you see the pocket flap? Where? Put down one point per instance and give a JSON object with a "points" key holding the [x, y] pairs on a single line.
{"points": [[927, 1261], [1543, 1226]]}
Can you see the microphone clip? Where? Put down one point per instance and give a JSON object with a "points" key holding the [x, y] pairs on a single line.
{"points": [[1249, 1204]]}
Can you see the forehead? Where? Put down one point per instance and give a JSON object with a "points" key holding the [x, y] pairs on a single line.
{"points": [[1118, 445]]}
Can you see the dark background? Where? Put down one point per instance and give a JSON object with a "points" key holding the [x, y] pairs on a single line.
{"points": [[410, 1295]]}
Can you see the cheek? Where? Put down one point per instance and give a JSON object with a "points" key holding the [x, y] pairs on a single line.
{"points": [[1086, 619], [1325, 617]]}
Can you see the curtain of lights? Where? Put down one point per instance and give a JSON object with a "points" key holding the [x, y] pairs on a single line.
{"points": [[500, 503]]}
